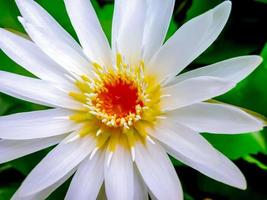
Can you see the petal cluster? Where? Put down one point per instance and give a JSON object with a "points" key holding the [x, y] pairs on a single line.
{"points": [[117, 112]]}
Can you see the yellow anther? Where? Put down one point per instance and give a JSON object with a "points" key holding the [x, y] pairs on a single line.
{"points": [[97, 67], [119, 60], [83, 86], [111, 124], [78, 96], [82, 116], [85, 78]]}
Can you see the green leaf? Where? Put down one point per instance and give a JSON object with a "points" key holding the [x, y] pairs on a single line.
{"points": [[4, 167], [172, 29], [60, 192], [223, 49], [175, 162], [7, 192], [262, 1], [105, 17], [188, 197], [253, 160], [216, 190], [5, 104], [238, 146], [8, 15]]}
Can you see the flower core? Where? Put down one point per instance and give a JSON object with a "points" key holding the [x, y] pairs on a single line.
{"points": [[118, 101]]}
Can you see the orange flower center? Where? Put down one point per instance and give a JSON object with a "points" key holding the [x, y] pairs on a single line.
{"points": [[119, 98]]}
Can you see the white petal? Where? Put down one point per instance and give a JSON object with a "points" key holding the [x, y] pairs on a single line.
{"points": [[88, 179], [35, 14], [130, 29], [215, 118], [189, 42], [116, 21], [35, 90], [156, 27], [36, 124], [184, 141], [158, 172], [194, 90], [58, 50], [140, 190], [234, 69], [119, 175], [59, 162], [28, 55], [42, 195], [13, 149], [223, 171], [89, 31]]}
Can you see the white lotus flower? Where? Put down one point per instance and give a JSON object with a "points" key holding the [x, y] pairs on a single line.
{"points": [[117, 113]]}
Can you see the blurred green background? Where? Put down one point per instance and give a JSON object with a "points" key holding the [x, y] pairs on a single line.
{"points": [[245, 33]]}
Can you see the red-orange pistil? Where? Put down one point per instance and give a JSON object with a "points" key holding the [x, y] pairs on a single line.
{"points": [[119, 98]]}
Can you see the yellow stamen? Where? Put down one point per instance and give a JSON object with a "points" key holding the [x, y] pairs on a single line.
{"points": [[121, 104], [78, 96]]}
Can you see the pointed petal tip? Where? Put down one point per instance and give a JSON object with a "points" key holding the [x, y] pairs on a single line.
{"points": [[237, 179], [255, 60], [223, 9], [244, 186], [227, 4], [241, 183], [258, 59], [259, 126], [23, 21]]}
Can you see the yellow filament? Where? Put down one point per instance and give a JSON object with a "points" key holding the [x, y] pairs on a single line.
{"points": [[109, 130]]}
